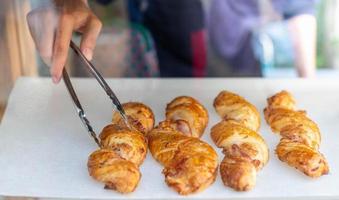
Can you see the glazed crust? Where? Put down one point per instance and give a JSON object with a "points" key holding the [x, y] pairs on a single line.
{"points": [[190, 164], [139, 116], [300, 135], [245, 150], [106, 166], [187, 115], [232, 106]]}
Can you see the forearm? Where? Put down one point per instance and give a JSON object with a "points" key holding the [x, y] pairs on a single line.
{"points": [[303, 33]]}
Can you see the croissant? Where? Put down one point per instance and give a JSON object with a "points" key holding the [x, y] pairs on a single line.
{"points": [[190, 164], [245, 150], [187, 115], [123, 149], [300, 135]]}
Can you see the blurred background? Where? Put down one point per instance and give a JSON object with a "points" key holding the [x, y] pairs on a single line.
{"points": [[227, 38]]}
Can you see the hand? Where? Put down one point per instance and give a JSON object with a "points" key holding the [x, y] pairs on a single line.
{"points": [[52, 28]]}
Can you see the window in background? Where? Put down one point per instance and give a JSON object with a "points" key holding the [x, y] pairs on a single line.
{"points": [[17, 52]]}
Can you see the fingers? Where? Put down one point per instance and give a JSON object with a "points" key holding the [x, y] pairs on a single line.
{"points": [[42, 31], [46, 41], [61, 45], [90, 34]]}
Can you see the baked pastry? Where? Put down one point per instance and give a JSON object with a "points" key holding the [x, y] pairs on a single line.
{"points": [[187, 115], [245, 150], [123, 149], [190, 165], [300, 135]]}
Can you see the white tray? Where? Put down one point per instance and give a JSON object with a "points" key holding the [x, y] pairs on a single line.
{"points": [[44, 147]]}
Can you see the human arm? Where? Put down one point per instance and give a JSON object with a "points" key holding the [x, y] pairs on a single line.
{"points": [[302, 29]]}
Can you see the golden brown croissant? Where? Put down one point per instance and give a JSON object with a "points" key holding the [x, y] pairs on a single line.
{"points": [[190, 164], [300, 135], [123, 150], [245, 150], [187, 115]]}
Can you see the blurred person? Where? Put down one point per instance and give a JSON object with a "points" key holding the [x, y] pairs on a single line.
{"points": [[233, 25], [178, 29]]}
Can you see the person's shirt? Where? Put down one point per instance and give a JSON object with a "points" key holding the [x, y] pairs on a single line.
{"points": [[178, 30]]}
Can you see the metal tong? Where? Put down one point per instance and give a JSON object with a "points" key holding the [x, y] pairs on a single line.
{"points": [[102, 83]]}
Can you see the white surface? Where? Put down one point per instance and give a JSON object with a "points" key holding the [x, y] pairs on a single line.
{"points": [[44, 147]]}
